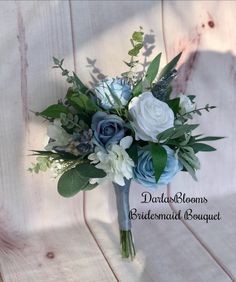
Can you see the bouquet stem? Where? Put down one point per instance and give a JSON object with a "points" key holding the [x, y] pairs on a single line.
{"points": [[122, 202]]}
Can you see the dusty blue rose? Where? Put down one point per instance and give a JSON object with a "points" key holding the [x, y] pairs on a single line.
{"points": [[108, 129], [144, 173], [110, 87]]}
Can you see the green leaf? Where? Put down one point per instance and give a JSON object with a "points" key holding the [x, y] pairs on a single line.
{"points": [[65, 72], [159, 158], [55, 156], [90, 171], [182, 129], [138, 36], [133, 152], [83, 103], [71, 92], [209, 138], [174, 105], [185, 140], [171, 65], [56, 61], [166, 134], [114, 96], [80, 84], [197, 147], [187, 153], [70, 96], [134, 52], [138, 88], [54, 111], [188, 167], [153, 68], [176, 132], [71, 182], [192, 97], [90, 186]]}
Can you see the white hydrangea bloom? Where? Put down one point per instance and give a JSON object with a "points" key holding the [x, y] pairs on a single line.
{"points": [[58, 134], [116, 162]]}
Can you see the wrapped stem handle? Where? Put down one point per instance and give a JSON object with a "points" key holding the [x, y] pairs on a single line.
{"points": [[122, 202]]}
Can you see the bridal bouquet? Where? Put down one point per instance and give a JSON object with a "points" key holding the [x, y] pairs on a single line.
{"points": [[124, 128]]}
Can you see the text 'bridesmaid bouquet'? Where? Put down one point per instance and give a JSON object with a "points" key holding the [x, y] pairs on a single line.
{"points": [[125, 128]]}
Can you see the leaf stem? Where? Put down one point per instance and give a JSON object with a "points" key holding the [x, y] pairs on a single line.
{"points": [[207, 108]]}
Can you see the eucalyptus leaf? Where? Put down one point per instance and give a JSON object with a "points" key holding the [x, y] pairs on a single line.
{"points": [[159, 158], [90, 171], [71, 182], [90, 186], [137, 36], [135, 51]]}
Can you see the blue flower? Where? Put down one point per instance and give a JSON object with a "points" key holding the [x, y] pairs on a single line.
{"points": [[144, 172], [109, 88], [107, 129]]}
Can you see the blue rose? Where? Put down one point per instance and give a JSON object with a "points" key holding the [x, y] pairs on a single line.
{"points": [[109, 88], [144, 172], [108, 129]]}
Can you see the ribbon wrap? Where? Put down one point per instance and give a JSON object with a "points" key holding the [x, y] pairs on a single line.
{"points": [[122, 202]]}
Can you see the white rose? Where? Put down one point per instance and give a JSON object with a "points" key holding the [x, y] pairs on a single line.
{"points": [[185, 104], [150, 116]]}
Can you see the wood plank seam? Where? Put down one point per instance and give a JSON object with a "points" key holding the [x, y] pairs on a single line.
{"points": [[94, 236], [198, 238], [84, 193], [203, 244]]}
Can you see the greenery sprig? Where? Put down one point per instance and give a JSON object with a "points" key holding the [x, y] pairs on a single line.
{"points": [[137, 41], [197, 111]]}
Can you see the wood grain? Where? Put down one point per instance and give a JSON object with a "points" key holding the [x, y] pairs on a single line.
{"points": [[31, 211], [59, 254], [207, 70], [43, 237]]}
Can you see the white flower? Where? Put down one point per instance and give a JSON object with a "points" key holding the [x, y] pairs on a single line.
{"points": [[150, 116], [58, 135], [115, 162], [185, 104]]}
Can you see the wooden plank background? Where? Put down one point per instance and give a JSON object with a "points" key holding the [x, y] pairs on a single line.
{"points": [[46, 238]]}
